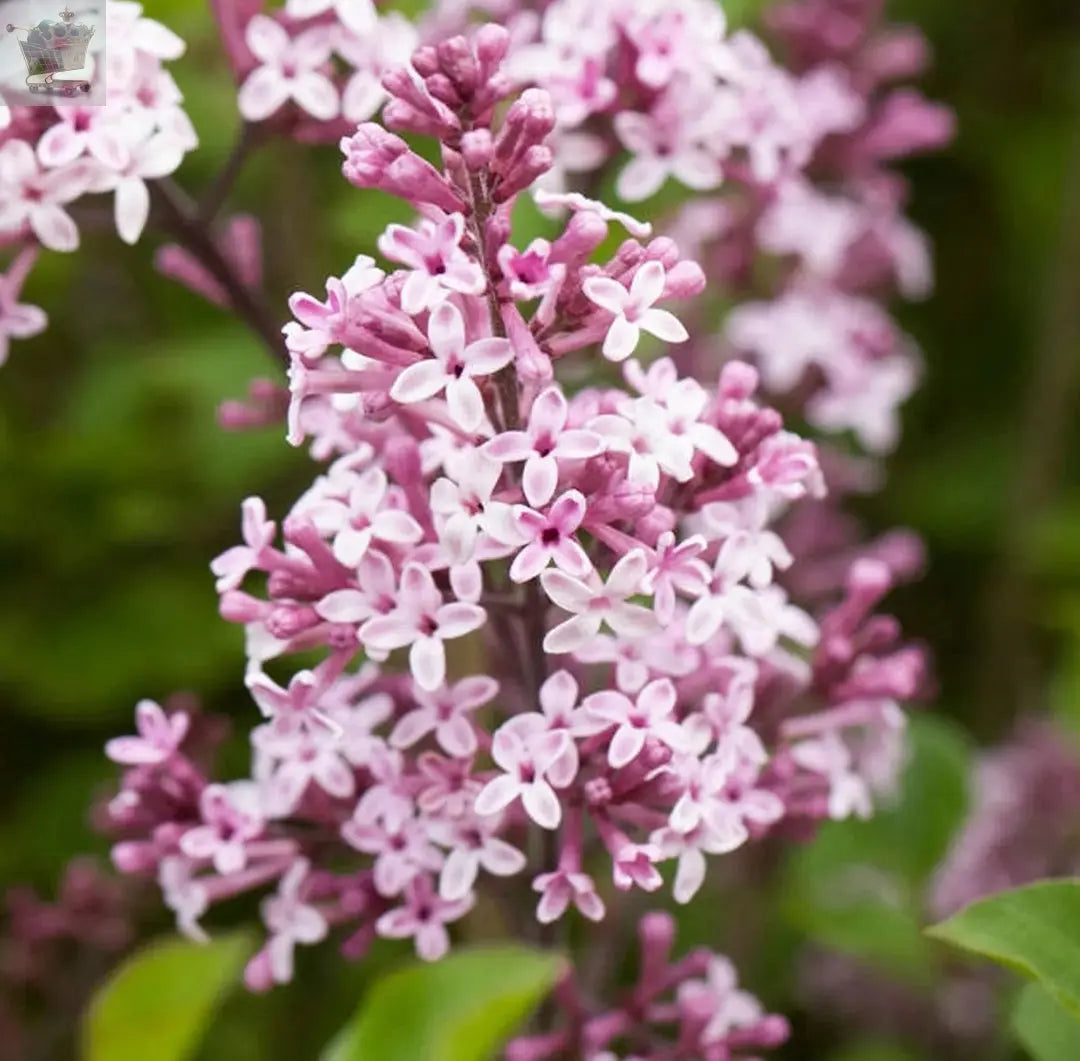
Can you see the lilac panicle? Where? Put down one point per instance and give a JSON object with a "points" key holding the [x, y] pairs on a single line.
{"points": [[575, 605]]}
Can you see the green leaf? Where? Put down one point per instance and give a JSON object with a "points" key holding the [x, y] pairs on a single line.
{"points": [[1045, 1029], [1035, 930], [459, 1009], [160, 1001]]}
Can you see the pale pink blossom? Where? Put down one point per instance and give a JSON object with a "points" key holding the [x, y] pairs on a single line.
{"points": [[446, 713], [640, 430], [453, 368], [160, 735], [595, 603], [437, 264], [633, 311], [367, 514], [634, 865], [18, 320], [668, 143], [358, 15], [292, 69], [35, 197], [631, 722], [525, 756], [231, 817], [422, 621], [423, 918], [401, 845], [544, 442], [91, 131], [473, 846], [232, 566], [718, 995], [550, 538], [676, 568]]}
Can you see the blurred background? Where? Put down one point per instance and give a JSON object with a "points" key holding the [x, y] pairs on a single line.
{"points": [[118, 487]]}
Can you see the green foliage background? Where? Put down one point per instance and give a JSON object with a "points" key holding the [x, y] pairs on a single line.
{"points": [[117, 489]]}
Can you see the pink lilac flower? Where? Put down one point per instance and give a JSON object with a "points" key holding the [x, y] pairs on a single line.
{"points": [[292, 69], [730, 1008], [453, 368], [526, 757], [422, 621], [640, 430], [357, 15], [231, 816], [233, 565], [365, 515], [401, 844], [675, 569], [561, 888], [666, 144], [150, 157], [650, 715], [550, 538], [423, 918], [595, 603], [35, 197], [82, 131], [719, 706], [633, 311], [473, 846], [445, 713], [545, 442], [437, 264], [160, 735]]}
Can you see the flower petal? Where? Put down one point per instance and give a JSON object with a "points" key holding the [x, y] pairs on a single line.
{"points": [[647, 285], [419, 382], [540, 478], [427, 661], [621, 339], [663, 325], [317, 95], [263, 93], [465, 403], [446, 332], [541, 804]]}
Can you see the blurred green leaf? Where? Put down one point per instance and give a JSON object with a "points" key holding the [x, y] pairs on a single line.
{"points": [[1045, 1029], [858, 887], [1034, 930], [160, 1001], [459, 1009], [742, 12]]}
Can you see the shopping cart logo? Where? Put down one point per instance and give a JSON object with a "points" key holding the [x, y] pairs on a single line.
{"points": [[52, 49]]}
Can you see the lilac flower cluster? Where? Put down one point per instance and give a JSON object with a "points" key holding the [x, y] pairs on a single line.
{"points": [[52, 156], [567, 540], [796, 155], [314, 69]]}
